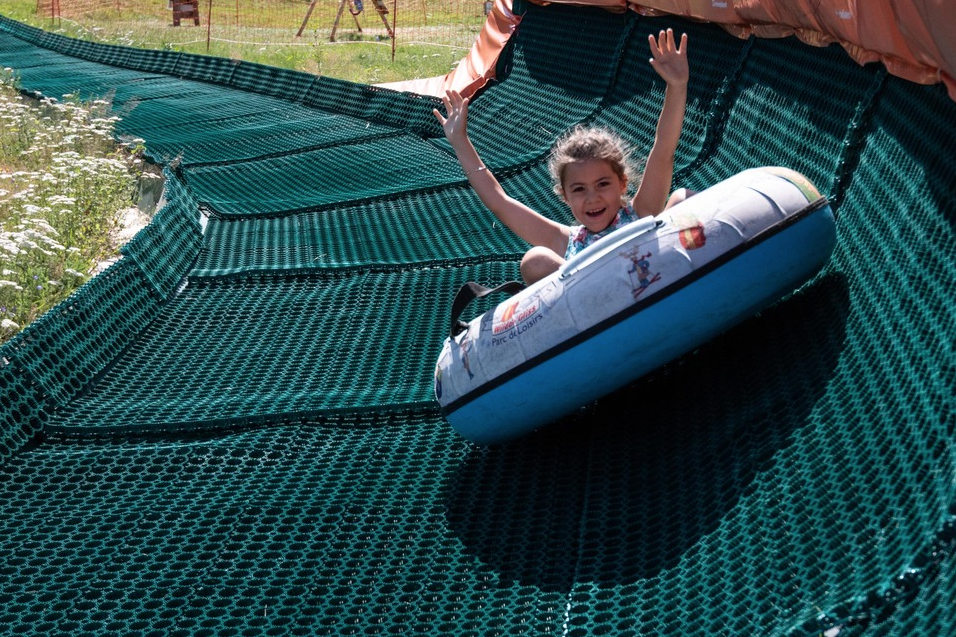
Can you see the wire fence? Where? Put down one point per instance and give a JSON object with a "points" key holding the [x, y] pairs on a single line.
{"points": [[165, 23]]}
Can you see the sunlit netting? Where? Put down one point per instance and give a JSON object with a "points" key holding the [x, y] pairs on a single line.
{"points": [[231, 431], [153, 23]]}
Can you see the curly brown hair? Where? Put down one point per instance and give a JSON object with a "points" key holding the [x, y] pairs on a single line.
{"points": [[589, 142]]}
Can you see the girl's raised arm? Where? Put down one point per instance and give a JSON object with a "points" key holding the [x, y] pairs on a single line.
{"points": [[528, 224], [670, 62]]}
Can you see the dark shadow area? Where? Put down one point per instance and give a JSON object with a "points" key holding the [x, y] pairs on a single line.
{"points": [[920, 122], [583, 69], [622, 489], [792, 105], [544, 85], [714, 58]]}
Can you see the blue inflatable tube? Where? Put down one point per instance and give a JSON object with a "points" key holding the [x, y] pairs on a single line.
{"points": [[632, 302]]}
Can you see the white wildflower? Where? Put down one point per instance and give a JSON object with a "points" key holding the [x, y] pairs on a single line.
{"points": [[61, 200], [45, 226], [7, 324], [10, 246]]}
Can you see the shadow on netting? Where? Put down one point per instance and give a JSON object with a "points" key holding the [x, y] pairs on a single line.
{"points": [[622, 489]]}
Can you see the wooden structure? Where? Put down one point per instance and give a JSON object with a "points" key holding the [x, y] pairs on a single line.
{"points": [[185, 9], [355, 8]]}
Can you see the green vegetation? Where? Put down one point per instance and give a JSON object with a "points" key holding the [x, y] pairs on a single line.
{"points": [[431, 37], [64, 183]]}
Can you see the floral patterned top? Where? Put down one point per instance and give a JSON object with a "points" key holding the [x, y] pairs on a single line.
{"points": [[581, 237]]}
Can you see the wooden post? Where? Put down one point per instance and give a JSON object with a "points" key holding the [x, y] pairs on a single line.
{"points": [[208, 23], [305, 21], [382, 12], [338, 16]]}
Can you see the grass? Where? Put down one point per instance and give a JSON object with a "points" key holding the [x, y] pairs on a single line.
{"points": [[431, 37], [64, 184]]}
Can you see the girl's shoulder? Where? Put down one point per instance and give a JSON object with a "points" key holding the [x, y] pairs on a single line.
{"points": [[626, 215]]}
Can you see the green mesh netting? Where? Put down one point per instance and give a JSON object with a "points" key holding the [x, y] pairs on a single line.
{"points": [[231, 431], [66, 349], [559, 86], [195, 365], [716, 66], [347, 172]]}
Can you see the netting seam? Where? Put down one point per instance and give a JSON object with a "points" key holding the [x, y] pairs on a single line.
{"points": [[117, 355], [23, 431], [211, 210], [342, 272], [855, 140], [171, 290], [62, 433], [98, 376], [717, 115], [877, 605], [630, 31], [179, 70], [292, 152]]}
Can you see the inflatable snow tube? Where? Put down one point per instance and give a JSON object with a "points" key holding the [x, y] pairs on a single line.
{"points": [[639, 298]]}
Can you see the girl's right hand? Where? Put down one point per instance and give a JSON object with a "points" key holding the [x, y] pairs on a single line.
{"points": [[455, 124]]}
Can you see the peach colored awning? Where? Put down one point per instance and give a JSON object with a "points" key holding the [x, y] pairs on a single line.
{"points": [[912, 38]]}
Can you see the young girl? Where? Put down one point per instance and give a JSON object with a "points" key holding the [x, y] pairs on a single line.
{"points": [[590, 171]]}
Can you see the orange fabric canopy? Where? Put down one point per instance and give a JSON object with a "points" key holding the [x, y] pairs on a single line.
{"points": [[912, 38]]}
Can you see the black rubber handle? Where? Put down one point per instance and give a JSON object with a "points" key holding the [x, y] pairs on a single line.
{"points": [[471, 291]]}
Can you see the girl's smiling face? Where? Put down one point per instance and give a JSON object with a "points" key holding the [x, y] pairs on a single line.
{"points": [[594, 192]]}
